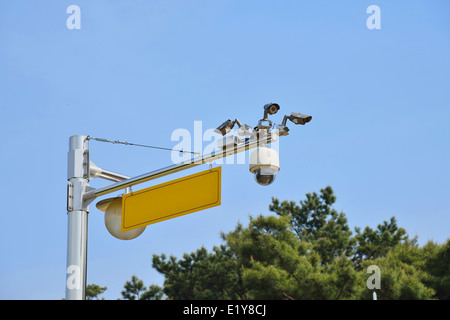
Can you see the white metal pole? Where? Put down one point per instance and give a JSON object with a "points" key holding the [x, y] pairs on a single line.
{"points": [[79, 195], [78, 181]]}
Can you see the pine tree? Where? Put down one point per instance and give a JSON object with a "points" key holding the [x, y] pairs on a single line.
{"points": [[93, 291], [136, 290], [307, 251], [317, 222]]}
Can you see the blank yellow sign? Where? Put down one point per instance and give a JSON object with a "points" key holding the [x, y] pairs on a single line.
{"points": [[171, 199]]}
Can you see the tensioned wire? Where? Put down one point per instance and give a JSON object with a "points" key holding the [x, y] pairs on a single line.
{"points": [[137, 144]]}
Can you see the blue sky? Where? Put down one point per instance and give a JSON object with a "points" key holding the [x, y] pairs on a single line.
{"points": [[136, 71]]}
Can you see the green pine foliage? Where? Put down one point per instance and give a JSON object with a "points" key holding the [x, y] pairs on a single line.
{"points": [[93, 291], [136, 290], [305, 251]]}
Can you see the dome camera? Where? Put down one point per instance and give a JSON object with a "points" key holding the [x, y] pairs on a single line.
{"points": [[264, 164], [264, 176]]}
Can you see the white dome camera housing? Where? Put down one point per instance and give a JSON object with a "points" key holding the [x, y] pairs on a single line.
{"points": [[264, 164]]}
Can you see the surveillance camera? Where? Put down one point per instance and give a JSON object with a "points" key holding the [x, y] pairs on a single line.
{"points": [[264, 164], [265, 176], [225, 127], [299, 118], [271, 108]]}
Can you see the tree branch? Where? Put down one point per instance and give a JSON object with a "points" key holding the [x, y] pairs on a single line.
{"points": [[286, 295]]}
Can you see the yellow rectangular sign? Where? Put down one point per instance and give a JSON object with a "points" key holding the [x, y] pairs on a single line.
{"points": [[171, 199]]}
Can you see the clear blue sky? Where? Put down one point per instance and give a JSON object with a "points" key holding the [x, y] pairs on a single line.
{"points": [[138, 70]]}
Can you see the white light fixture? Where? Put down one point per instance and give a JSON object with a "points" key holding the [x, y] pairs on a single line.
{"points": [[113, 219]]}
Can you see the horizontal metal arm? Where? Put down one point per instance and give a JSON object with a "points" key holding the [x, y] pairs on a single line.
{"points": [[248, 144], [112, 176], [97, 172]]}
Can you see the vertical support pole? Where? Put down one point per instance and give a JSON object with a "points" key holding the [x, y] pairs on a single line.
{"points": [[77, 212]]}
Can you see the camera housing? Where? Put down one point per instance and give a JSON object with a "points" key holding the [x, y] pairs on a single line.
{"points": [[271, 108], [299, 118], [265, 176], [225, 127], [264, 164]]}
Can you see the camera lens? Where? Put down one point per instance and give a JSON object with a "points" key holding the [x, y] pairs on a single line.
{"points": [[272, 108], [264, 176]]}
